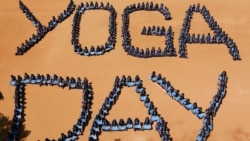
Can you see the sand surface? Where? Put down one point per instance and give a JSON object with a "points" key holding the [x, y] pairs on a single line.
{"points": [[52, 110]]}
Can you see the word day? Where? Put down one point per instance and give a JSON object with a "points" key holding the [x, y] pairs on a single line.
{"points": [[100, 123]]}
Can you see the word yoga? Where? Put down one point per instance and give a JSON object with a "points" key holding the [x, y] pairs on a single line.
{"points": [[101, 123], [219, 37]]}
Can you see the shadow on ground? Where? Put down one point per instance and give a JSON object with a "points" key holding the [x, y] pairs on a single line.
{"points": [[5, 126], [23, 133]]}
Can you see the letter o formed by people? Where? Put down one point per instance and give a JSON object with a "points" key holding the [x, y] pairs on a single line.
{"points": [[99, 50]]}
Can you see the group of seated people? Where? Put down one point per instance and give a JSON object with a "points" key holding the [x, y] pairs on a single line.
{"points": [[169, 42], [135, 51], [84, 118], [205, 39], [148, 7], [62, 16], [100, 122], [155, 30], [214, 106], [40, 79], [169, 49], [41, 29], [175, 95], [99, 50], [220, 37], [141, 53], [18, 117], [161, 127], [29, 15]]}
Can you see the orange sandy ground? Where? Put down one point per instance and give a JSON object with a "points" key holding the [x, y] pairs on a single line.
{"points": [[51, 110]]}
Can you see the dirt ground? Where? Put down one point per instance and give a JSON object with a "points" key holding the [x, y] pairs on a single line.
{"points": [[51, 110]]}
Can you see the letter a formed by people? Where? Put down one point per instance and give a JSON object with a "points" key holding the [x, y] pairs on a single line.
{"points": [[101, 124], [219, 37]]}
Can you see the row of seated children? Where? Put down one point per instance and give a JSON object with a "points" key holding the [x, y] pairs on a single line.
{"points": [[18, 117], [47, 79], [175, 95], [207, 126], [148, 7], [155, 30]]}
